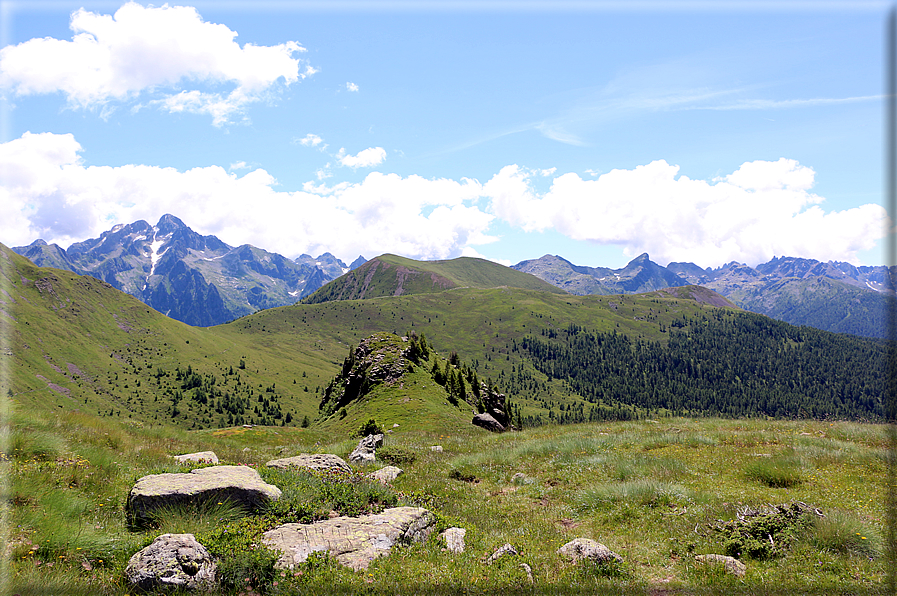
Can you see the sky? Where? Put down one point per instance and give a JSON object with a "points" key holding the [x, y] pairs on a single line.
{"points": [[705, 132]]}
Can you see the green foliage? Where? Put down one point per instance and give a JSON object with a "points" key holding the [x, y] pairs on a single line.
{"points": [[764, 533], [642, 492], [238, 548], [309, 494], [369, 428]]}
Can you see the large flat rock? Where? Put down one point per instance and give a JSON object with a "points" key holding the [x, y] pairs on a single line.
{"points": [[237, 484], [353, 541], [322, 462]]}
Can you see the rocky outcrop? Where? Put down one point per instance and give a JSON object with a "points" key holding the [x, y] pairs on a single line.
{"points": [[584, 548], [387, 474], [366, 449], [494, 415], [320, 462], [503, 551], [172, 562], [239, 485], [353, 541], [731, 564], [200, 457]]}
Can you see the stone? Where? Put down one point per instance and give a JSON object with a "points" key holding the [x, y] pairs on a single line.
{"points": [[353, 541], [529, 572], [521, 478], [172, 562], [437, 448], [200, 457], [585, 548], [504, 550], [488, 422], [365, 452], [732, 565], [387, 474], [321, 462], [240, 485], [454, 539]]}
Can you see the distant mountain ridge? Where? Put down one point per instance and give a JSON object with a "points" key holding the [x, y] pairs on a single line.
{"points": [[832, 296], [196, 279]]}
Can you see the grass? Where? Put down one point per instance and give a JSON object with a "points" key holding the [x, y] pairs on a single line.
{"points": [[652, 500]]}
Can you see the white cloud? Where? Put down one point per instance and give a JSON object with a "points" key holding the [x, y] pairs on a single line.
{"points": [[761, 210], [239, 165], [352, 87], [46, 192], [311, 140], [365, 159], [145, 49]]}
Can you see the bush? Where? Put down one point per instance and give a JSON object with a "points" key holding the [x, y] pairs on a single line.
{"points": [[369, 428], [764, 533], [238, 548]]}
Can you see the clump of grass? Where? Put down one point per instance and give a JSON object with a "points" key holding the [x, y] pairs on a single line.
{"points": [[845, 533], [195, 518], [782, 471], [396, 455], [308, 495], [650, 493], [641, 466]]}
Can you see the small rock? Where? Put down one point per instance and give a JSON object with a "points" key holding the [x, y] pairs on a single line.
{"points": [[454, 539], [521, 478], [529, 572], [201, 457], [732, 565], [386, 475], [365, 452], [396, 425], [506, 549], [585, 548], [436, 448], [172, 561]]}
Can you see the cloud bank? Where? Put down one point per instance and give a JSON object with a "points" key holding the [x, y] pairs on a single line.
{"points": [[761, 210], [143, 50]]}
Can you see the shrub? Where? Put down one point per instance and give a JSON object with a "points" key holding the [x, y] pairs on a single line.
{"points": [[764, 533], [369, 428], [238, 548]]}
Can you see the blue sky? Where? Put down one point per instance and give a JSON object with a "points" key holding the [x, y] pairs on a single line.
{"points": [[704, 132]]}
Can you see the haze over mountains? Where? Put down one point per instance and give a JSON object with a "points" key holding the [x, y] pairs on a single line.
{"points": [[202, 281]]}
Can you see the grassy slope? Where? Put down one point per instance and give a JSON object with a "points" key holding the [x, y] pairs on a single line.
{"points": [[117, 341], [391, 275], [69, 476]]}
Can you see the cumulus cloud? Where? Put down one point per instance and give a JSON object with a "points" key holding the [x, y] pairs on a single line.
{"points": [[46, 192], [116, 58], [761, 210], [365, 159], [311, 140], [352, 87]]}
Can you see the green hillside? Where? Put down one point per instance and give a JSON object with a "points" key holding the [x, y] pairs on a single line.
{"points": [[76, 343], [391, 275]]}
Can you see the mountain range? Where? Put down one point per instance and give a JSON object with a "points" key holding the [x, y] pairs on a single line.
{"points": [[832, 296], [202, 281], [196, 279]]}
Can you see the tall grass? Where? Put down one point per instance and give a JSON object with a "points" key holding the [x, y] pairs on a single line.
{"points": [[644, 492]]}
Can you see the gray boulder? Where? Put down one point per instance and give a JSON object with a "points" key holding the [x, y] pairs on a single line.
{"points": [[240, 485], [454, 539], [488, 422], [585, 548], [732, 565], [353, 541], [200, 457], [366, 448], [172, 561], [387, 474], [321, 462]]}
